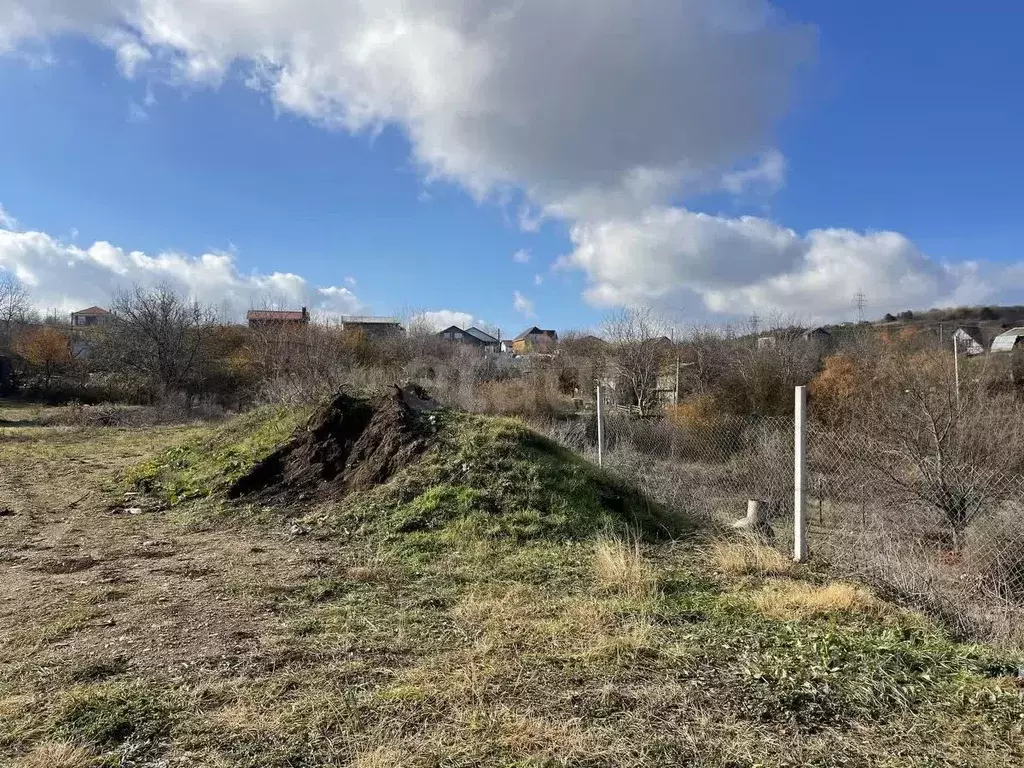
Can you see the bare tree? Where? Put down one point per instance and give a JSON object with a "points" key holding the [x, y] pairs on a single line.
{"points": [[15, 308], [638, 353], [926, 443], [159, 335]]}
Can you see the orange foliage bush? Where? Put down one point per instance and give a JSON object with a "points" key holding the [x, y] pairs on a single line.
{"points": [[46, 349], [834, 389], [699, 412]]}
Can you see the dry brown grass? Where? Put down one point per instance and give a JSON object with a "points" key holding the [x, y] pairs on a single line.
{"points": [[380, 757], [13, 705], [621, 568], [57, 754], [539, 739], [745, 556], [638, 637], [797, 600]]}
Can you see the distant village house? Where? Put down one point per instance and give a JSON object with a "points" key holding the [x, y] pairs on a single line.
{"points": [[473, 337], [274, 318], [84, 318], [535, 340], [373, 327], [969, 340]]}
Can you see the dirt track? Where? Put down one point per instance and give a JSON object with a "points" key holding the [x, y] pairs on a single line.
{"points": [[83, 585]]}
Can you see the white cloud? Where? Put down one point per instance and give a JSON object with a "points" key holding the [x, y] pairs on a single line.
{"points": [[676, 260], [522, 256], [6, 220], [515, 92], [530, 218], [130, 53], [136, 113], [538, 279], [767, 174], [64, 276], [521, 304], [350, 282], [600, 112], [439, 319]]}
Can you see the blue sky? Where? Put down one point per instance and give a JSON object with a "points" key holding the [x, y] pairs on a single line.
{"points": [[895, 136]]}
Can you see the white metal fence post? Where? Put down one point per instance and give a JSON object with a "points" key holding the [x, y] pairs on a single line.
{"points": [[799, 467], [956, 370], [600, 429]]}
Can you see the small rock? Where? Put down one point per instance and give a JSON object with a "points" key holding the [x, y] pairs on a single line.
{"points": [[133, 510], [298, 530]]}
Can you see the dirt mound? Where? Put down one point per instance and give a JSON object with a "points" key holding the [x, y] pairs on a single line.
{"points": [[349, 445]]}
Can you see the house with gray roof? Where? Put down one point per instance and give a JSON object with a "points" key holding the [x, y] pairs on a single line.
{"points": [[471, 336]]}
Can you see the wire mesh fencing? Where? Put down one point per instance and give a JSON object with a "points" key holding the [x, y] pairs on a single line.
{"points": [[944, 532], [706, 470], [917, 511]]}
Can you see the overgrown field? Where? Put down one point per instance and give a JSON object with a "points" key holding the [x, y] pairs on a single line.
{"points": [[497, 602]]}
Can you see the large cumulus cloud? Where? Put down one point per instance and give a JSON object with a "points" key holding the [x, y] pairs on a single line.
{"points": [[601, 113]]}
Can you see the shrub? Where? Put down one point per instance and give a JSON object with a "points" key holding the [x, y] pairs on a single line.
{"points": [[994, 553], [531, 399], [835, 388], [703, 431]]}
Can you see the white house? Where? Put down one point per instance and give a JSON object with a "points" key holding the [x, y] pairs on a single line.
{"points": [[969, 340]]}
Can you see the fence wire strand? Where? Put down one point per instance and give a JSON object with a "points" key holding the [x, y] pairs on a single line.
{"points": [[948, 537]]}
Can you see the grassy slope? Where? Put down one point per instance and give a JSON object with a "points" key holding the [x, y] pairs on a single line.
{"points": [[208, 464], [477, 612]]}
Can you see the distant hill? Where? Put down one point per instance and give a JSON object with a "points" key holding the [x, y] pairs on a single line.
{"points": [[1007, 316]]}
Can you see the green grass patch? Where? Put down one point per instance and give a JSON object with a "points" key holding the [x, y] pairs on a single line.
{"points": [[495, 478], [108, 715], [209, 462], [482, 478]]}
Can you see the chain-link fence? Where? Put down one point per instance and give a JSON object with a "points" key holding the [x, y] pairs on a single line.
{"points": [[944, 533], [911, 511], [706, 468]]}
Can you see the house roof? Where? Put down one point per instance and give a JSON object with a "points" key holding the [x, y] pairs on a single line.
{"points": [[283, 315], [449, 329], [534, 331], [1007, 340], [482, 335], [973, 331], [93, 311], [369, 320]]}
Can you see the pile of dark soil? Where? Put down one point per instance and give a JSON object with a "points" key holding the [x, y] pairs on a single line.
{"points": [[350, 444]]}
